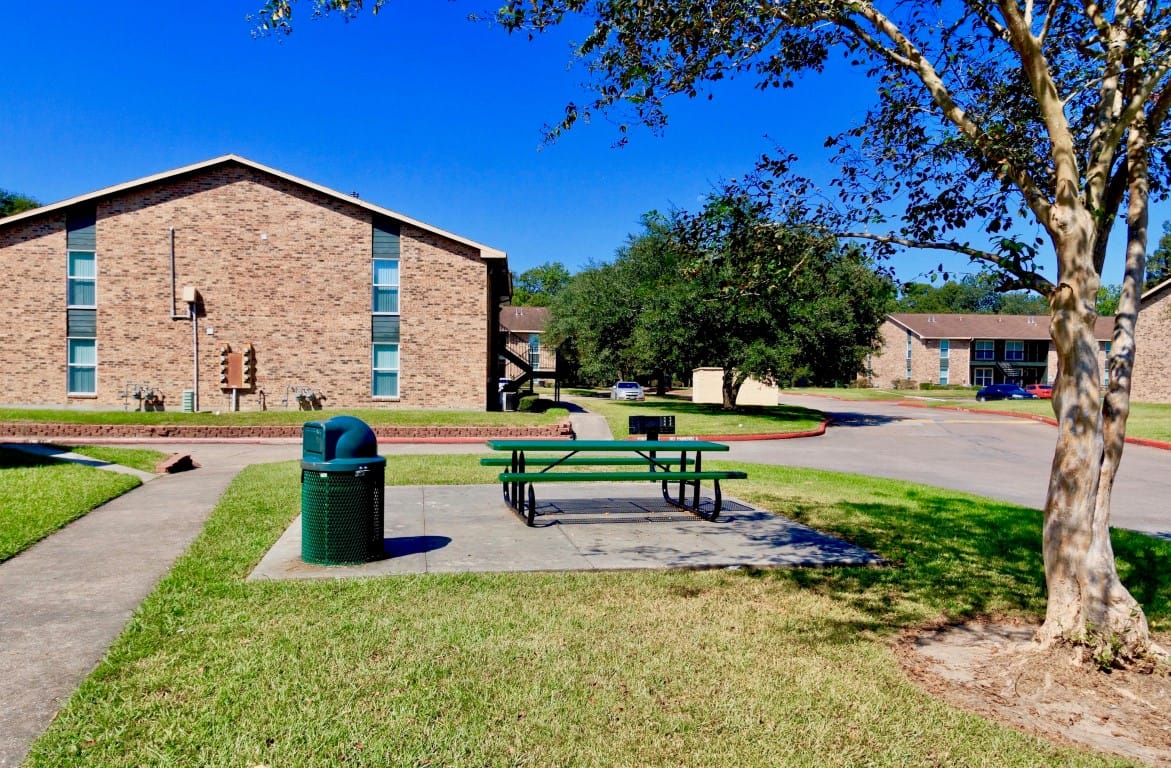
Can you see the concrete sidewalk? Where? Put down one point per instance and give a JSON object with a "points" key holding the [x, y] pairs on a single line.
{"points": [[64, 600]]}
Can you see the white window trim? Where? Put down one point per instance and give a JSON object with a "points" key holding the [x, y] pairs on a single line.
{"points": [[70, 367]]}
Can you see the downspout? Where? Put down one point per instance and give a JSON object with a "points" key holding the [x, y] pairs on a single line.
{"points": [[193, 316], [194, 356], [174, 315]]}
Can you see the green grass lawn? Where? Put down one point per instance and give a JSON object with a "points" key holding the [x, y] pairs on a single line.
{"points": [[683, 668], [1147, 420], [703, 419], [40, 495], [142, 459], [372, 416]]}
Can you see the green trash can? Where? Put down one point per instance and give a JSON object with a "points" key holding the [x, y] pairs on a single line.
{"points": [[342, 479]]}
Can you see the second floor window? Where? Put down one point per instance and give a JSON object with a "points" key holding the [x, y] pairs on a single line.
{"points": [[385, 298], [82, 290], [985, 350]]}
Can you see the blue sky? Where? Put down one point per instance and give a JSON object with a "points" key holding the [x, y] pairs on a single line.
{"points": [[416, 109]]}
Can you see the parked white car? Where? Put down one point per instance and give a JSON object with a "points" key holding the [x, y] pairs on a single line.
{"points": [[627, 390]]}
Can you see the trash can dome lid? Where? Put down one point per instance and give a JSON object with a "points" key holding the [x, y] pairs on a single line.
{"points": [[355, 441]]}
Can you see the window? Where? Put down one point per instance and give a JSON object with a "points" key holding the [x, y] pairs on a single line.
{"points": [[944, 348], [385, 299], [908, 345], [82, 281], [384, 308], [985, 350], [534, 351], [81, 300], [386, 370], [1106, 362], [983, 377], [83, 366], [1014, 350]]}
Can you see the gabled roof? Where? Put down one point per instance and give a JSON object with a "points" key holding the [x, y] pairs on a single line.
{"points": [[1014, 327], [1150, 294], [486, 252], [524, 319]]}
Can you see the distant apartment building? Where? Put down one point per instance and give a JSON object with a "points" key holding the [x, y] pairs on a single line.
{"points": [[971, 350]]}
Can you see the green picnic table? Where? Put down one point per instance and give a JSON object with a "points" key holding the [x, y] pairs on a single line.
{"points": [[664, 461]]}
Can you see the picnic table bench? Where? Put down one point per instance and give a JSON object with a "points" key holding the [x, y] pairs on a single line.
{"points": [[667, 462]]}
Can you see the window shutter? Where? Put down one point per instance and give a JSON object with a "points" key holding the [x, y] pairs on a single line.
{"points": [[386, 329]]}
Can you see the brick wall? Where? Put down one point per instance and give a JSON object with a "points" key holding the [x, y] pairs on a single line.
{"points": [[890, 364], [1152, 364], [278, 265], [32, 303]]}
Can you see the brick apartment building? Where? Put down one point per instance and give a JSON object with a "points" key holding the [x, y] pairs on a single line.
{"points": [[1152, 364], [971, 350], [152, 292], [529, 356]]}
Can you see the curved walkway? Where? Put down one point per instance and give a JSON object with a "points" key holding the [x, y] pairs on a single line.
{"points": [[990, 455]]}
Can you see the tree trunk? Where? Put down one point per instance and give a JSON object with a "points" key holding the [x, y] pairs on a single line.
{"points": [[731, 387], [1087, 602]]}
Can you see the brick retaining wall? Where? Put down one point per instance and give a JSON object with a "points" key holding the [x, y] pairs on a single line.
{"points": [[49, 431]]}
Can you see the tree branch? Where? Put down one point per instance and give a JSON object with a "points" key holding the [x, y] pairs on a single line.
{"points": [[1026, 278], [910, 58]]}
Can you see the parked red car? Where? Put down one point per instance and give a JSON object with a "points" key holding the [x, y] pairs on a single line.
{"points": [[1044, 391]]}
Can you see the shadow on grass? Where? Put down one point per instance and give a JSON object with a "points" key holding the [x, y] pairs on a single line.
{"points": [[957, 556]]}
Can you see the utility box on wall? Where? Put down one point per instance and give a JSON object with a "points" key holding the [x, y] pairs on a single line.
{"points": [[237, 369]]}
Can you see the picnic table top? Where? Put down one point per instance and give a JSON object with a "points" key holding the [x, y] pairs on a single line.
{"points": [[605, 445]]}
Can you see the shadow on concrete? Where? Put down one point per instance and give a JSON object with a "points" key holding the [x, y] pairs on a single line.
{"points": [[625, 510], [49, 451], [849, 419], [402, 546]]}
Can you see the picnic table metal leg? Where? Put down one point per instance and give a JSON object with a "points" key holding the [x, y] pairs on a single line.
{"points": [[695, 494], [532, 510], [719, 502]]}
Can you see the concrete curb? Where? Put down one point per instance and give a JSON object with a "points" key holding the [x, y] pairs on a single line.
{"points": [[816, 432], [1143, 441]]}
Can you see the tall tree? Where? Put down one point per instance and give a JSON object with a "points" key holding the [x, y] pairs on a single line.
{"points": [[774, 300], [537, 287], [1159, 262], [976, 294], [984, 113], [14, 202]]}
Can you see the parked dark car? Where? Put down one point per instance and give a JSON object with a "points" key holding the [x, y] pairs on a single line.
{"points": [[1004, 392]]}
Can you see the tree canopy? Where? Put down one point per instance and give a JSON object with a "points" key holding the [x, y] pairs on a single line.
{"points": [[974, 294], [1159, 262], [14, 202], [726, 287], [537, 287]]}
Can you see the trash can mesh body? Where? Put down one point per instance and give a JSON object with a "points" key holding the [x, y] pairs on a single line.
{"points": [[342, 513]]}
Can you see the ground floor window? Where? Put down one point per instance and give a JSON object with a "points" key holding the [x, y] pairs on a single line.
{"points": [[943, 370], [386, 370], [983, 377], [83, 366]]}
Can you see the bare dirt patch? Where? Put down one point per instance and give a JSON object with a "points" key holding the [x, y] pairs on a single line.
{"points": [[996, 671]]}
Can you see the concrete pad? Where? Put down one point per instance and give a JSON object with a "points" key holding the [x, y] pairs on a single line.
{"points": [[587, 527]]}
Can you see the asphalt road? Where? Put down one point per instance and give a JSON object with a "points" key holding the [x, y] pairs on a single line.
{"points": [[996, 456]]}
